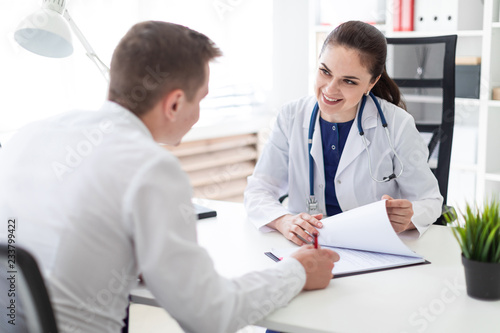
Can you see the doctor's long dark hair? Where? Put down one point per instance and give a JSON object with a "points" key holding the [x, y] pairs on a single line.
{"points": [[372, 47]]}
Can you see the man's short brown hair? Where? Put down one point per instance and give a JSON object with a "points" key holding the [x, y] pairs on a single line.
{"points": [[155, 58]]}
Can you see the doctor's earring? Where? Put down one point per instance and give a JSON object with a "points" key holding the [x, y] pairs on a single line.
{"points": [[367, 93]]}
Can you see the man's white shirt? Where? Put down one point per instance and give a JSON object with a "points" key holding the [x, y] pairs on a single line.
{"points": [[98, 202]]}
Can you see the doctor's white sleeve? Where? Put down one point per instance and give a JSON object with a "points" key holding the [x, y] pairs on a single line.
{"points": [[269, 180], [417, 183], [180, 274]]}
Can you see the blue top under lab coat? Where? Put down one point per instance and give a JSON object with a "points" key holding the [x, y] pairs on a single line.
{"points": [[333, 137]]}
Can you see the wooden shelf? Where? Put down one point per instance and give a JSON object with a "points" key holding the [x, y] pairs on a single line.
{"points": [[467, 101], [439, 100], [464, 167], [328, 28], [218, 158], [493, 103], [212, 145], [423, 99], [459, 33], [493, 176], [221, 173], [218, 167]]}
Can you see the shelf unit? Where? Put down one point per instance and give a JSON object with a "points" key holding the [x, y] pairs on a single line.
{"points": [[218, 167], [475, 165], [488, 177]]}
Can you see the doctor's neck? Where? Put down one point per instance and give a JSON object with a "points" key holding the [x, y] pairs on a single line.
{"points": [[341, 117]]}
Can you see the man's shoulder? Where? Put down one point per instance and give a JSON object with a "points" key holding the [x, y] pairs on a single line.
{"points": [[112, 143]]}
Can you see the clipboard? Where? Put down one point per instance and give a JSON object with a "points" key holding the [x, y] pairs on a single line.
{"points": [[339, 275]]}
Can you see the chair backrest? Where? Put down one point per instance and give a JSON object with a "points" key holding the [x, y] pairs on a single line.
{"points": [[424, 70], [24, 297]]}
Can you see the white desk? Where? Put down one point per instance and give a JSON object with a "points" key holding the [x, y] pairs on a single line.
{"points": [[424, 298]]}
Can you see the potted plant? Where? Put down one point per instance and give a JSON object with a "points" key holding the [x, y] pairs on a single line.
{"points": [[478, 235]]}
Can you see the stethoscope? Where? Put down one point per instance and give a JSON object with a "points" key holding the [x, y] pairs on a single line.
{"points": [[312, 203]]}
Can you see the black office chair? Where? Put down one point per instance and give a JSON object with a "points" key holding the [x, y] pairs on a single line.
{"points": [[24, 299], [424, 70]]}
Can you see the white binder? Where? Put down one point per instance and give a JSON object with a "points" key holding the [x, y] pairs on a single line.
{"points": [[448, 15]]}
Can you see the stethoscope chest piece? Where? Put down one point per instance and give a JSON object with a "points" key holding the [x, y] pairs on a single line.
{"points": [[312, 205]]}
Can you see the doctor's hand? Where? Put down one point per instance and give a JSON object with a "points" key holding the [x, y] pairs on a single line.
{"points": [[295, 226], [400, 212], [318, 264]]}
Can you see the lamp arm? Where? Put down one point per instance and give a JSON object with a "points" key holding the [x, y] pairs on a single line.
{"points": [[90, 51]]}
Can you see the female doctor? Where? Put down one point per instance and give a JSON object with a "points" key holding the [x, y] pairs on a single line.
{"points": [[333, 152]]}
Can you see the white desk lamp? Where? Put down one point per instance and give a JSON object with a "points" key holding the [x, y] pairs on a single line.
{"points": [[46, 32]]}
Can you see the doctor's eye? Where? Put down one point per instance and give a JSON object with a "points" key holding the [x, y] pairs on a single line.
{"points": [[324, 71], [350, 82]]}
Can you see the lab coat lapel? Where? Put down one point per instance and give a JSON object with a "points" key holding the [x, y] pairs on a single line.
{"points": [[354, 145], [317, 152], [316, 148]]}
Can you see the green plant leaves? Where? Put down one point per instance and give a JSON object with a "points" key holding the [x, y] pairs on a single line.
{"points": [[479, 237], [491, 238]]}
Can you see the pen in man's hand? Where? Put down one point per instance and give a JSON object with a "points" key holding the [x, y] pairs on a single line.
{"points": [[315, 235]]}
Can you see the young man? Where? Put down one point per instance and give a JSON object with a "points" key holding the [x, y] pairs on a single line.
{"points": [[99, 201]]}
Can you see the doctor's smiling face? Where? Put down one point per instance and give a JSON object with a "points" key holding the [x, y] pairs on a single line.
{"points": [[341, 81]]}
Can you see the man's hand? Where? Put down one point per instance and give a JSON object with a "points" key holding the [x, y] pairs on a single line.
{"points": [[400, 212], [318, 264], [295, 226]]}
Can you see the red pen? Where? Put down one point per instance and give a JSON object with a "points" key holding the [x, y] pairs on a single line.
{"points": [[315, 235]]}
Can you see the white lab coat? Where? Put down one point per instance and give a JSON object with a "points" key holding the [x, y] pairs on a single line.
{"points": [[98, 202], [284, 166]]}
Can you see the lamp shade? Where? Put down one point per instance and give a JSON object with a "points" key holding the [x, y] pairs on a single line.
{"points": [[46, 33]]}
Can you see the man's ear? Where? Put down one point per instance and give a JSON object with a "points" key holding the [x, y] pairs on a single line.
{"points": [[171, 104]]}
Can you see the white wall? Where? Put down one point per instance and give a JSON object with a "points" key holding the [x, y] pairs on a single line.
{"points": [[291, 23], [34, 87]]}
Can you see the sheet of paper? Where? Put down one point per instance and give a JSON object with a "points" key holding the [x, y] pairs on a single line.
{"points": [[364, 228], [357, 261], [364, 239]]}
